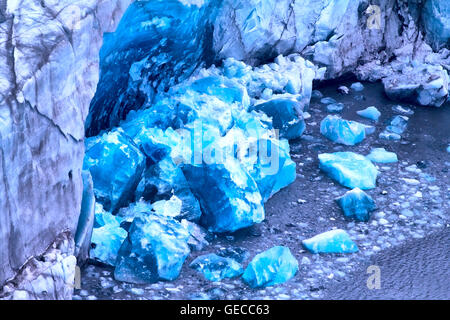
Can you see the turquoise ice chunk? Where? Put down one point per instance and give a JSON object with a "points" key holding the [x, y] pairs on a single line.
{"points": [[380, 155], [357, 87], [350, 169], [357, 205], [274, 266], [217, 268], [335, 241], [287, 116], [371, 113], [116, 165], [155, 249], [343, 131], [229, 196]]}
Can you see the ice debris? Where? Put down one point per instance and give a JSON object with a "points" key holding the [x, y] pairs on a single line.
{"points": [[116, 165], [274, 266], [397, 126], [328, 100], [155, 249], [334, 241], [357, 87], [371, 113], [229, 196], [380, 155], [335, 107], [349, 169], [287, 115], [216, 268], [343, 131], [357, 205], [418, 83], [107, 237], [402, 110]]}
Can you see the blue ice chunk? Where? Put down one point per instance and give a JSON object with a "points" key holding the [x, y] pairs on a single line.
{"points": [[356, 204], [116, 165], [223, 88], [316, 94], [335, 107], [448, 148], [264, 157], [357, 87], [274, 266], [342, 131], [229, 196], [155, 249], [287, 116], [350, 169], [334, 241], [380, 155], [135, 209], [386, 135], [217, 268], [398, 124], [328, 100], [402, 110], [371, 113], [107, 237], [103, 217], [168, 208], [369, 130]]}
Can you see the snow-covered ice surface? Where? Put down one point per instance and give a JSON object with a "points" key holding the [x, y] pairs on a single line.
{"points": [[307, 207]]}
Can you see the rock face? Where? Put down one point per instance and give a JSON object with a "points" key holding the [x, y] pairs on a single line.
{"points": [[48, 75], [50, 276]]}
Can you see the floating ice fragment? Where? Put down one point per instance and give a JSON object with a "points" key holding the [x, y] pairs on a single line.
{"points": [[402, 110], [328, 100], [216, 268], [335, 241], [356, 204], [343, 131], [349, 169], [386, 135], [335, 107], [380, 155], [398, 124], [316, 94], [274, 266], [371, 113], [357, 87]]}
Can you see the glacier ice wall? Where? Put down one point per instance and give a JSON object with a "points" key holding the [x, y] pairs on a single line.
{"points": [[160, 43], [48, 75]]}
